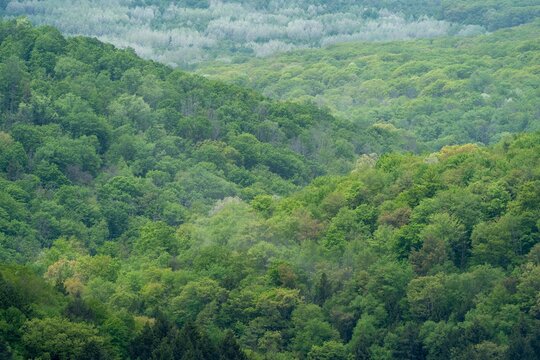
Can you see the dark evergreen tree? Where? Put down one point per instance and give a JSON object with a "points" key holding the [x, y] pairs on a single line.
{"points": [[142, 345], [323, 290], [5, 352], [524, 341], [409, 344], [78, 310], [9, 296], [93, 351], [229, 348]]}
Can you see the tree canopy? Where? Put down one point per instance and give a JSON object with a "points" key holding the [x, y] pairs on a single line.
{"points": [[147, 213]]}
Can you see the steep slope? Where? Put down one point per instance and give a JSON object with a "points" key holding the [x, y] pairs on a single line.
{"points": [[433, 257], [133, 139], [439, 92]]}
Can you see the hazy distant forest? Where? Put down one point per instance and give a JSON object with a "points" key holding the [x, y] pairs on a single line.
{"points": [[185, 33], [344, 180]]}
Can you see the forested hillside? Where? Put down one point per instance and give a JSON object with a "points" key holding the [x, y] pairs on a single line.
{"points": [[433, 257], [425, 93], [368, 200], [185, 33], [139, 139], [150, 214]]}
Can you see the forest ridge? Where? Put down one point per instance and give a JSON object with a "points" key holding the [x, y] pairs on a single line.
{"points": [[189, 32]]}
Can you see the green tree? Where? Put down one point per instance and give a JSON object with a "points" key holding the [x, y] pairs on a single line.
{"points": [[13, 159], [323, 290], [61, 339], [330, 350], [499, 243], [229, 348], [311, 329], [428, 299], [15, 87]]}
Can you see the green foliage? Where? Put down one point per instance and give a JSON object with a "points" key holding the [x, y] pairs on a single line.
{"points": [[159, 215], [413, 95], [146, 141], [184, 33], [64, 340]]}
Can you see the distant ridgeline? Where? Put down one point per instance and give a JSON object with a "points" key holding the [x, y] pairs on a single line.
{"points": [[492, 14], [150, 214], [424, 94], [186, 33]]}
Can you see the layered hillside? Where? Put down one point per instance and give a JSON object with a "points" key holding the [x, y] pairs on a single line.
{"points": [[432, 257], [146, 213], [186, 33], [428, 93], [139, 139]]}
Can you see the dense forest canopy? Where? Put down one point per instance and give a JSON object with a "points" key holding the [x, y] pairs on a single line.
{"points": [[149, 140], [184, 33], [385, 206], [437, 92]]}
